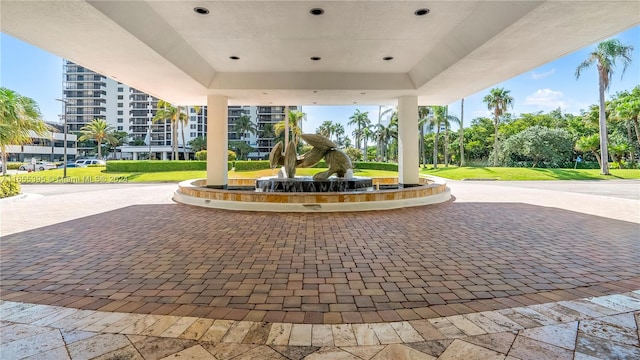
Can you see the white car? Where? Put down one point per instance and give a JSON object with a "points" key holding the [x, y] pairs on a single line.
{"points": [[38, 166], [87, 162]]}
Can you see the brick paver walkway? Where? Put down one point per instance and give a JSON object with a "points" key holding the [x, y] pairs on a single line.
{"points": [[407, 264]]}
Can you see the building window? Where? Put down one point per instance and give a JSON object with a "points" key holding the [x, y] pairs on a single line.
{"points": [[193, 126], [120, 128], [120, 120], [120, 97], [120, 89], [120, 105], [193, 134], [120, 112]]}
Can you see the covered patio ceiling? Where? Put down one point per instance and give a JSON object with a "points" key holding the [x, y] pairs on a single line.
{"points": [[454, 49]]}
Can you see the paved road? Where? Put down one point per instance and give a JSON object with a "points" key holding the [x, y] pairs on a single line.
{"points": [[625, 189]]}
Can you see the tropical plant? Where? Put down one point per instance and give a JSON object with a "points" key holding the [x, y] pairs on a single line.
{"points": [[184, 121], [539, 144], [590, 144], [325, 129], [353, 153], [244, 126], [360, 120], [98, 130], [423, 120], [605, 56], [199, 143], [338, 131], [19, 118], [167, 112], [121, 139], [497, 100], [241, 148], [461, 137], [295, 122]]}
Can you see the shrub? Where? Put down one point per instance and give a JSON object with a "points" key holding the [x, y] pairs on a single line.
{"points": [[231, 155], [9, 187], [154, 166], [13, 165], [375, 166], [201, 155], [243, 165]]}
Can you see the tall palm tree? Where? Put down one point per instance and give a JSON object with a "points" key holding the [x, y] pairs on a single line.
{"points": [[360, 120], [605, 56], [244, 126], [462, 132], [19, 116], [167, 112], [338, 131], [439, 114], [295, 122], [423, 119], [498, 100], [325, 129], [98, 130], [367, 133], [184, 121]]}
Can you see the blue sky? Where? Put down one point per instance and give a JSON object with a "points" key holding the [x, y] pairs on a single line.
{"points": [[38, 74]]}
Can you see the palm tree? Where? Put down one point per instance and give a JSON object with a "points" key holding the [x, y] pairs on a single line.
{"points": [[98, 130], [423, 119], [199, 143], [184, 121], [605, 56], [295, 121], [498, 100], [361, 120], [589, 144], [367, 133], [325, 129], [439, 114], [19, 116], [462, 132], [167, 112], [338, 131], [244, 126]]}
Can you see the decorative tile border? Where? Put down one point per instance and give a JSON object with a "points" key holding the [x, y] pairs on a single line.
{"points": [[339, 335]]}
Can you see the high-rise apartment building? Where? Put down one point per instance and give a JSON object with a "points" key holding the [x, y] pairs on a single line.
{"points": [[90, 95]]}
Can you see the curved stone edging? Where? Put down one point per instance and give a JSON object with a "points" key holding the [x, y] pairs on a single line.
{"points": [[432, 191]]}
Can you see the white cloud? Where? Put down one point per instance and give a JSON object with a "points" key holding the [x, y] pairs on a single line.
{"points": [[546, 99], [538, 76]]}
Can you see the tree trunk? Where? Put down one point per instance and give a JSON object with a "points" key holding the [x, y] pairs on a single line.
{"points": [[462, 132], [635, 125], [435, 146], [421, 143], [4, 161], [446, 146], [174, 134], [184, 145], [604, 151], [99, 150], [598, 158], [495, 141]]}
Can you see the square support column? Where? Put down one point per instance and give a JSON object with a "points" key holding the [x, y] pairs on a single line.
{"points": [[408, 156], [217, 140]]}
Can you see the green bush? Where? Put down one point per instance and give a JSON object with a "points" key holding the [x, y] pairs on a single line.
{"points": [[252, 165], [366, 165], [154, 166], [13, 165], [9, 187], [201, 155], [231, 155]]}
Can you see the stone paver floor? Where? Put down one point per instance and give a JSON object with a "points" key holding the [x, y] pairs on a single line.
{"points": [[488, 279], [594, 328]]}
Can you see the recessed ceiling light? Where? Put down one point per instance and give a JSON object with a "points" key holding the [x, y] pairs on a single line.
{"points": [[421, 12], [362, 93], [316, 58], [316, 11], [234, 58], [200, 10], [387, 58], [264, 93], [355, 102], [315, 91], [315, 102]]}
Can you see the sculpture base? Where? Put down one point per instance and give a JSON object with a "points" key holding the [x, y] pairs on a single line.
{"points": [[307, 184]]}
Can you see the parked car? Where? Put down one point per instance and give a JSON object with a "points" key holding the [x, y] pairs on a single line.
{"points": [[87, 162], [39, 165], [71, 164]]}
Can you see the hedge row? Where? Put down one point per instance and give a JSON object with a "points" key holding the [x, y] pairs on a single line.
{"points": [[168, 165], [362, 165], [154, 165]]}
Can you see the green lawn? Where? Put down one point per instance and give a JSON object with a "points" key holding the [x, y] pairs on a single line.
{"points": [[503, 173], [97, 174]]}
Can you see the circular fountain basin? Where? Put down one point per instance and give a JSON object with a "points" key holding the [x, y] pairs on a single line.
{"points": [[195, 192], [307, 184]]}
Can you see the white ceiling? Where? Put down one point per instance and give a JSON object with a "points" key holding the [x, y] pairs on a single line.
{"points": [[459, 48]]}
